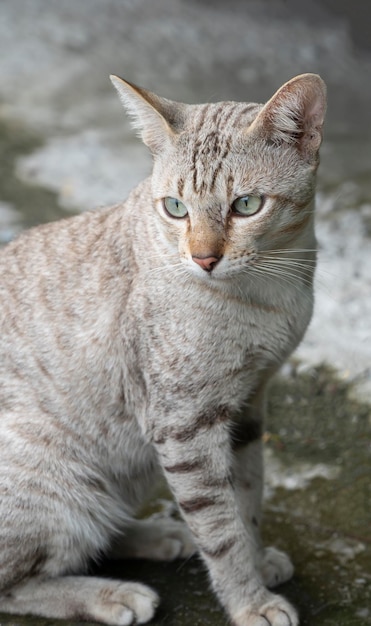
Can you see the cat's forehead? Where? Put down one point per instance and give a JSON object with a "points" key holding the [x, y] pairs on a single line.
{"points": [[222, 118], [208, 151]]}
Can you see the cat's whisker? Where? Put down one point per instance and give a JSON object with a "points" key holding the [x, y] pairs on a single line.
{"points": [[295, 278], [287, 266], [276, 258], [294, 262], [285, 277], [288, 262], [297, 272], [288, 259], [300, 271], [268, 270], [286, 250], [167, 268]]}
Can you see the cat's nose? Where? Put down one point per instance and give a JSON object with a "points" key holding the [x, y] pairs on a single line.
{"points": [[207, 263]]}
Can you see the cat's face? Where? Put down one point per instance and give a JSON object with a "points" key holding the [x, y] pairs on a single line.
{"points": [[233, 183], [225, 197]]}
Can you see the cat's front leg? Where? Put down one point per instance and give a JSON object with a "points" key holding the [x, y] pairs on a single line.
{"points": [[197, 459], [246, 437]]}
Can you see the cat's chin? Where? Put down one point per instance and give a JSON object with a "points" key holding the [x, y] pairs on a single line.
{"points": [[216, 275], [226, 280], [208, 277]]}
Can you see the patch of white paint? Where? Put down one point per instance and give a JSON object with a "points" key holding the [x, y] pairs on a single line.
{"points": [[89, 169], [296, 476], [340, 331]]}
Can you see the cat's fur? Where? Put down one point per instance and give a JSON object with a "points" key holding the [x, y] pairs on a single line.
{"points": [[134, 343]]}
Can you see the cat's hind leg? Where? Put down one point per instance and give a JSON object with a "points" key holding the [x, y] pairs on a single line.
{"points": [[33, 580], [163, 539], [81, 598]]}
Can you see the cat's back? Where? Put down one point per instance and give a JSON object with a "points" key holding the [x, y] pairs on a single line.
{"points": [[62, 288], [76, 259], [64, 243]]}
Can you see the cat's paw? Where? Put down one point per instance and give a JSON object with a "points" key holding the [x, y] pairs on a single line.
{"points": [[276, 567], [162, 539], [125, 604], [171, 540], [275, 612]]}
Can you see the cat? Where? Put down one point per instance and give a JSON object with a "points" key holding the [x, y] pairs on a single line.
{"points": [[137, 341]]}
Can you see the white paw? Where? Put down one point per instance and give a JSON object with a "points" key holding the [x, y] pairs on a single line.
{"points": [[276, 567], [162, 539], [276, 612], [122, 604], [177, 541]]}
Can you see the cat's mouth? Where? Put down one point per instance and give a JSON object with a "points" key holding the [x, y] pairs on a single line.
{"points": [[212, 271], [218, 268], [207, 263]]}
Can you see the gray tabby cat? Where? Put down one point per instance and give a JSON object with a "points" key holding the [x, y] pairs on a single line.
{"points": [[138, 340]]}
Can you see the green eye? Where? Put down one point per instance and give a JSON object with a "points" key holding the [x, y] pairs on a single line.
{"points": [[175, 207], [247, 205]]}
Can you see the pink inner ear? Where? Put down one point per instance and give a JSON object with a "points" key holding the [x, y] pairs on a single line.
{"points": [[316, 113], [295, 115], [297, 107]]}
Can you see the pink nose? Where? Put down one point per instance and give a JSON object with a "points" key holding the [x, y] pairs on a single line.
{"points": [[207, 263]]}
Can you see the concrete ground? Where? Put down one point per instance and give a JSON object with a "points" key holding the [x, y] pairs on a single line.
{"points": [[66, 146]]}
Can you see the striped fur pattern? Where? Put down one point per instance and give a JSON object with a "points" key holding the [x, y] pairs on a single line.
{"points": [[135, 343]]}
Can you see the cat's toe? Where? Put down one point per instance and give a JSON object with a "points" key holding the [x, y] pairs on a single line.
{"points": [[276, 567], [168, 549], [130, 603], [180, 547], [280, 613], [187, 545], [275, 612], [177, 541]]}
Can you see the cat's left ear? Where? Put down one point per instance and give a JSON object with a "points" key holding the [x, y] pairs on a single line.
{"points": [[157, 119], [295, 115]]}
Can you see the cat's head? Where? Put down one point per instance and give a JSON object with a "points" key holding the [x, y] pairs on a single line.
{"points": [[232, 182]]}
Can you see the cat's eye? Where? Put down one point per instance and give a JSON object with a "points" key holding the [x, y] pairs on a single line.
{"points": [[247, 205], [175, 207]]}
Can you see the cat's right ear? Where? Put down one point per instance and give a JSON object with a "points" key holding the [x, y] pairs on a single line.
{"points": [[157, 119]]}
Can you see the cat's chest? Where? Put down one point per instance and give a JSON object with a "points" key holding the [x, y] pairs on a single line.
{"points": [[193, 341]]}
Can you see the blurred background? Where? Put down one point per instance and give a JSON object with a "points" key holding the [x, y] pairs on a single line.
{"points": [[66, 146]]}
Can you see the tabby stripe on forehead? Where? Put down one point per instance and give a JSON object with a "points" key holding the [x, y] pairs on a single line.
{"points": [[220, 164], [200, 123], [194, 165], [181, 182], [230, 185], [240, 114], [222, 115], [228, 115], [218, 117], [201, 119]]}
